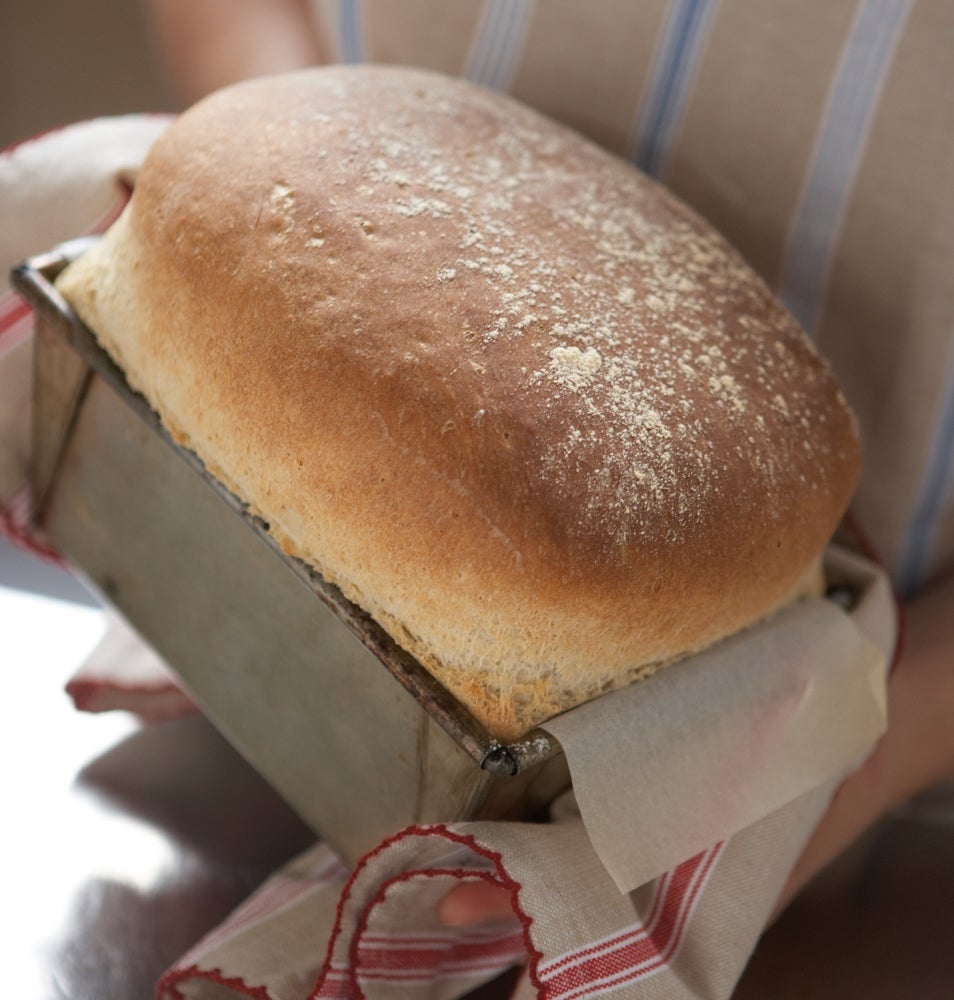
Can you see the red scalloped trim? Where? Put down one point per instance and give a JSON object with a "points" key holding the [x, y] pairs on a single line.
{"points": [[438, 830], [168, 983]]}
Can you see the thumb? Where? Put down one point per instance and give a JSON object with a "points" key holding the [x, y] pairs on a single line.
{"points": [[472, 903]]}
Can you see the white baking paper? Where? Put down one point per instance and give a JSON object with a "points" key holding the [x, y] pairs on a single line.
{"points": [[669, 766]]}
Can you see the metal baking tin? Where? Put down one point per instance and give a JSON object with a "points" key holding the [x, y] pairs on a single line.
{"points": [[354, 733]]}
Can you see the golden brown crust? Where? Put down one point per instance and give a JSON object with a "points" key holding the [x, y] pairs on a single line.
{"points": [[524, 407]]}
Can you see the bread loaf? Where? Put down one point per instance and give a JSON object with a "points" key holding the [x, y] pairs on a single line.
{"points": [[512, 397]]}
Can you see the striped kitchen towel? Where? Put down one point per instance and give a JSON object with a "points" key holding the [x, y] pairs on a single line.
{"points": [[316, 930], [62, 184]]}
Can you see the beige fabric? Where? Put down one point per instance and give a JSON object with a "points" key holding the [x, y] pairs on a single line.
{"points": [[721, 161], [686, 935], [890, 317], [444, 30], [597, 96]]}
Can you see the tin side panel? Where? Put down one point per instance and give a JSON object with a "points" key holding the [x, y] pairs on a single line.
{"points": [[281, 676], [60, 378]]}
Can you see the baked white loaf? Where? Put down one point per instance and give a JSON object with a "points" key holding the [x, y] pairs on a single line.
{"points": [[512, 397]]}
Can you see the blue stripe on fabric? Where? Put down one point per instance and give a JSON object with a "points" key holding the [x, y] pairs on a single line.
{"points": [[856, 88], [349, 31], [499, 41], [678, 54], [935, 494]]}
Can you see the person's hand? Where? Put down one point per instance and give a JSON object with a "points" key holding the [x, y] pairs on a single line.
{"points": [[206, 44], [472, 903], [916, 752]]}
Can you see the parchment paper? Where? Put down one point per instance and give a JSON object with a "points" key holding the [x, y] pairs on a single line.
{"points": [[710, 745]]}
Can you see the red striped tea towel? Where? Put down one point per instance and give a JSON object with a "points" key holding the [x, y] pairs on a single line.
{"points": [[317, 931]]}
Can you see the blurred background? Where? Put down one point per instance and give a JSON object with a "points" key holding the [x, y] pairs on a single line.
{"points": [[62, 62]]}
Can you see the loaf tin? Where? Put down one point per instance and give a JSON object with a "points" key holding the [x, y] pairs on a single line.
{"points": [[350, 729]]}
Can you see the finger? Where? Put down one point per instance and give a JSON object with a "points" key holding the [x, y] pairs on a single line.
{"points": [[472, 903]]}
